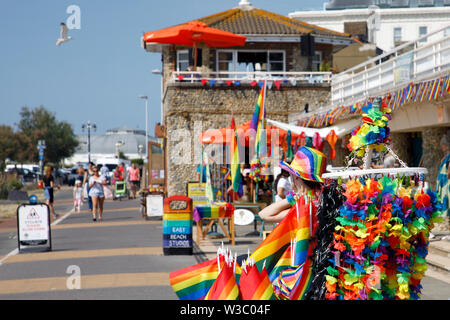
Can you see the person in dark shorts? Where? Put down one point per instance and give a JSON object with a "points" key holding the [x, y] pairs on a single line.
{"points": [[49, 185]]}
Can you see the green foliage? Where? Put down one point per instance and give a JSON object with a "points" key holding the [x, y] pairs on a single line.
{"points": [[8, 182], [40, 124], [9, 145], [138, 161]]}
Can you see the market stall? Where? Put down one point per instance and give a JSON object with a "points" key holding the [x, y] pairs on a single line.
{"points": [[366, 238]]}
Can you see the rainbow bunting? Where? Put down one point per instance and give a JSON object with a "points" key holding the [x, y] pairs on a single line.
{"points": [[225, 286], [194, 282], [235, 168]]}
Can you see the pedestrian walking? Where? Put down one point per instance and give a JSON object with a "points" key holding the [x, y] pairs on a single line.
{"points": [[87, 175], [49, 185], [77, 195], [96, 183], [134, 178], [104, 170]]}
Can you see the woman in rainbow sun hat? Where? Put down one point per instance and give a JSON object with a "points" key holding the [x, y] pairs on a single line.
{"points": [[306, 171]]}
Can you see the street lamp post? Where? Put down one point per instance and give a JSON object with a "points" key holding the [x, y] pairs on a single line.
{"points": [[88, 126], [146, 134]]}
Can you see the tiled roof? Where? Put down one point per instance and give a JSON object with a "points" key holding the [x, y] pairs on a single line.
{"points": [[260, 22]]}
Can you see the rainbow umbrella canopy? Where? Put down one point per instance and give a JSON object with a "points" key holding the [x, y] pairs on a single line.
{"points": [[193, 33]]}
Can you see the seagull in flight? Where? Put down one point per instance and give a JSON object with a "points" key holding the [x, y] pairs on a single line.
{"points": [[63, 37]]}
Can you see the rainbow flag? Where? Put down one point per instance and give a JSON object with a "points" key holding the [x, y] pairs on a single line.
{"points": [[258, 122], [194, 282], [276, 243], [254, 285], [283, 263], [235, 168], [225, 286]]}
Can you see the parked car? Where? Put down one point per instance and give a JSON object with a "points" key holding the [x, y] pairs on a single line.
{"points": [[61, 177], [27, 175], [73, 175]]}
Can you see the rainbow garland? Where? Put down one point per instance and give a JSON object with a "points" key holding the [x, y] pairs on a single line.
{"points": [[381, 240], [374, 130], [414, 92]]}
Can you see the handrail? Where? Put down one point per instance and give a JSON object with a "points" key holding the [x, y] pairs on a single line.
{"points": [[422, 62], [197, 76], [389, 53]]}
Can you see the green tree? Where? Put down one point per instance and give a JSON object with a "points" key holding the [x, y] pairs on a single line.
{"points": [[40, 124], [9, 145]]}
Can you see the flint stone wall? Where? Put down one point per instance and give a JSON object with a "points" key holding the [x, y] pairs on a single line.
{"points": [[191, 108]]}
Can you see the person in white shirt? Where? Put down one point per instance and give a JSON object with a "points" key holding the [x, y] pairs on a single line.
{"points": [[96, 183], [282, 185]]}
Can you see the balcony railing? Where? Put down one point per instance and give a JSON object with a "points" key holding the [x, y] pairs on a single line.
{"points": [[426, 57], [248, 77]]}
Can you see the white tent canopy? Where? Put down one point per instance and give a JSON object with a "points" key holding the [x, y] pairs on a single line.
{"points": [[340, 129]]}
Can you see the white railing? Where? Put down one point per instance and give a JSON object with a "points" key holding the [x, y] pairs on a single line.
{"points": [[413, 61], [248, 77]]}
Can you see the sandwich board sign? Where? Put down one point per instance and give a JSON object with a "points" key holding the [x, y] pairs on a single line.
{"points": [[33, 227], [155, 205]]}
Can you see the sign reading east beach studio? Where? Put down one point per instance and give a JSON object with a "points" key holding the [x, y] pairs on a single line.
{"points": [[33, 225]]}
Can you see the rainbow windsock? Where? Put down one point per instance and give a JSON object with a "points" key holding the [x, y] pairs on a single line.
{"points": [[258, 123], [225, 286], [194, 282], [235, 167]]}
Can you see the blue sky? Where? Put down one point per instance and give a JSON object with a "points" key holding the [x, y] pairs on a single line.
{"points": [[100, 74]]}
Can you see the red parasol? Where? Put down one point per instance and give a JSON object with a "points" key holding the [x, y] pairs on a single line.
{"points": [[192, 33]]}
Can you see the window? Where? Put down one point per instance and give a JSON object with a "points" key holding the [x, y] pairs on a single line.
{"points": [[250, 61], [397, 35], [447, 32], [423, 30], [225, 61], [317, 59], [182, 60], [185, 59]]}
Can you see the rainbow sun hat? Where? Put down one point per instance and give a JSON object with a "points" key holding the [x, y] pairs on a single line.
{"points": [[308, 164]]}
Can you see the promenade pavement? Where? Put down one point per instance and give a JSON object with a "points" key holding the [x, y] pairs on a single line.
{"points": [[119, 258]]}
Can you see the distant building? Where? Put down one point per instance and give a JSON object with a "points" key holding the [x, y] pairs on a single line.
{"points": [[129, 141], [387, 23]]}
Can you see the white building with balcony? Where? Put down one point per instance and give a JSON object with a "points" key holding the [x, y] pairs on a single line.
{"points": [[387, 23]]}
